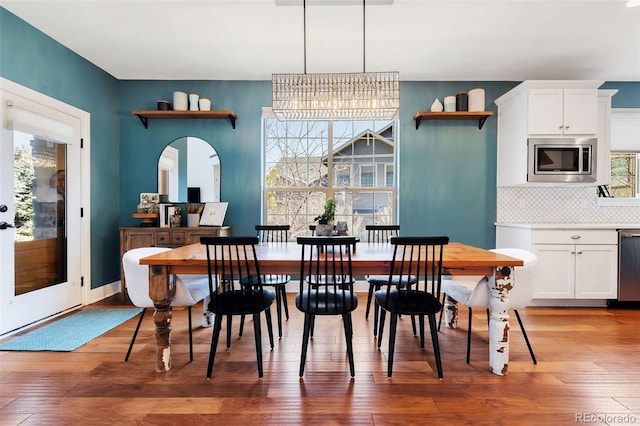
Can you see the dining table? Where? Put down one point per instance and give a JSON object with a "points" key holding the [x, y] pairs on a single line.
{"points": [[367, 259]]}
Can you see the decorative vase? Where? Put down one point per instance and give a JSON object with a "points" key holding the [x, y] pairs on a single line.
{"points": [[476, 99], [193, 102], [436, 106], [324, 229], [193, 219], [204, 104], [450, 103], [180, 101]]}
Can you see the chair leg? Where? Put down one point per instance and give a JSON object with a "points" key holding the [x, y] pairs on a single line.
{"points": [[421, 330], [383, 314], [190, 337], [258, 337], [369, 296], [392, 342], [241, 326], [469, 336], [413, 325], [279, 309], [305, 341], [284, 301], [229, 321], [526, 339], [217, 326], [348, 334], [267, 314], [436, 345], [135, 334], [444, 296]]}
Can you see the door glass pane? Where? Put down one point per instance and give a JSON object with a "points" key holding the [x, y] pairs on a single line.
{"points": [[39, 182]]}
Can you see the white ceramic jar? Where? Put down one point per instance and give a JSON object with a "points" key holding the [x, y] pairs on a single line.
{"points": [[476, 99], [180, 101], [450, 103], [193, 102], [204, 104]]}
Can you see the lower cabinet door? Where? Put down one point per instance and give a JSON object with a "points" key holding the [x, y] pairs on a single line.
{"points": [[596, 274], [556, 271]]}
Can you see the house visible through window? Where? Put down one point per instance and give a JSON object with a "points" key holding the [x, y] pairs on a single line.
{"points": [[307, 162]]}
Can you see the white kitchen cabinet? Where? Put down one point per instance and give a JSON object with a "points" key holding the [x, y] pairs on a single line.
{"points": [[573, 263], [603, 171], [579, 271], [541, 108], [562, 112]]}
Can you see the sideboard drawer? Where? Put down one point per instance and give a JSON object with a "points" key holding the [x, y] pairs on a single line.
{"points": [[178, 238], [163, 239]]}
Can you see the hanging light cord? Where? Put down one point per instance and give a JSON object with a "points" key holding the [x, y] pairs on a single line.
{"points": [[304, 26], [364, 50], [364, 28]]}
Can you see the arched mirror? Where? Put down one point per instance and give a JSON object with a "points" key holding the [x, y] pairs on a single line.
{"points": [[189, 171]]}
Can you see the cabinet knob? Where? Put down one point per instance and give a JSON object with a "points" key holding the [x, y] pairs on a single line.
{"points": [[566, 127], [575, 237], [560, 127], [579, 252]]}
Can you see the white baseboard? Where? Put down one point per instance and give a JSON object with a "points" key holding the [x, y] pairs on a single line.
{"points": [[101, 293]]}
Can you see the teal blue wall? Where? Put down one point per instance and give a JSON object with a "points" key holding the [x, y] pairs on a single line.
{"points": [[32, 59], [446, 172], [238, 150]]}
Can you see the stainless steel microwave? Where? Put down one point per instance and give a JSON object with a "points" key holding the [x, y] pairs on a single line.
{"points": [[562, 159]]}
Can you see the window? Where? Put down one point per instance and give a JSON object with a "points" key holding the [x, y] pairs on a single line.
{"points": [[367, 175], [625, 153], [624, 175], [388, 171], [307, 162]]}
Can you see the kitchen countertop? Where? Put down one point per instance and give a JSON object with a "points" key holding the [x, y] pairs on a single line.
{"points": [[571, 225]]}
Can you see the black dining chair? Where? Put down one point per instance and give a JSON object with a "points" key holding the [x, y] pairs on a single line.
{"points": [[229, 259], [273, 234], [419, 258], [326, 287], [377, 234]]}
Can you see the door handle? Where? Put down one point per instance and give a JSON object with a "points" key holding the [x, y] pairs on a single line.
{"points": [[5, 225]]}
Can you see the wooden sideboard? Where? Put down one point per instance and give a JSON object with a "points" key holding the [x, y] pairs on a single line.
{"points": [[146, 236]]}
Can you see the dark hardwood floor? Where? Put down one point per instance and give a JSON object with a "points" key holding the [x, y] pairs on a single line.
{"points": [[588, 372]]}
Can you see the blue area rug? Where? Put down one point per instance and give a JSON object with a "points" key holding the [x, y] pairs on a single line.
{"points": [[71, 332]]}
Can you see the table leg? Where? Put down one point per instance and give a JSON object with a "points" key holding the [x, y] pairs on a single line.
{"points": [[499, 285], [161, 291], [450, 312]]}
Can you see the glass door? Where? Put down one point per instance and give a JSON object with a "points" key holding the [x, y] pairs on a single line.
{"points": [[39, 228]]}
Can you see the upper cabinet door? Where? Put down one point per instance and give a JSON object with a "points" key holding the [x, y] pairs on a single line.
{"points": [[545, 112], [563, 112], [580, 111]]}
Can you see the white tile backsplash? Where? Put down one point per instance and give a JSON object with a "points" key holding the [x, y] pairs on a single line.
{"points": [[558, 205]]}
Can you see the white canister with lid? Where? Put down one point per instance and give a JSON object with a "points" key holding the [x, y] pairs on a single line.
{"points": [[180, 101], [204, 104], [450, 103], [476, 99]]}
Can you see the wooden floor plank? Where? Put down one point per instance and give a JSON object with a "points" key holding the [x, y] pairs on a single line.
{"points": [[587, 363]]}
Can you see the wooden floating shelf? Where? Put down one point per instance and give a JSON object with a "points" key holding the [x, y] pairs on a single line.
{"points": [[481, 116], [145, 115]]}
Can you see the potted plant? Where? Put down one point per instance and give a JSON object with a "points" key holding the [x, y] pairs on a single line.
{"points": [[325, 220]]}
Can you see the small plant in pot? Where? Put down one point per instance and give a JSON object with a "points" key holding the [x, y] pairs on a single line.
{"points": [[325, 220]]}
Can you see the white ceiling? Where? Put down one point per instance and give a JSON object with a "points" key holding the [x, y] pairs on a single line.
{"points": [[430, 40]]}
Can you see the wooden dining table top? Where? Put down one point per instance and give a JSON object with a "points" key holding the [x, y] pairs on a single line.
{"points": [[367, 258]]}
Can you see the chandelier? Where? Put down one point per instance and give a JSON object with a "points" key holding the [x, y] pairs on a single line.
{"points": [[336, 96]]}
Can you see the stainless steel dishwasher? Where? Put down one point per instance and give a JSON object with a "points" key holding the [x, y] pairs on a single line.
{"points": [[629, 265]]}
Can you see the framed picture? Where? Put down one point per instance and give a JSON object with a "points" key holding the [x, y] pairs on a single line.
{"points": [[213, 214]]}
